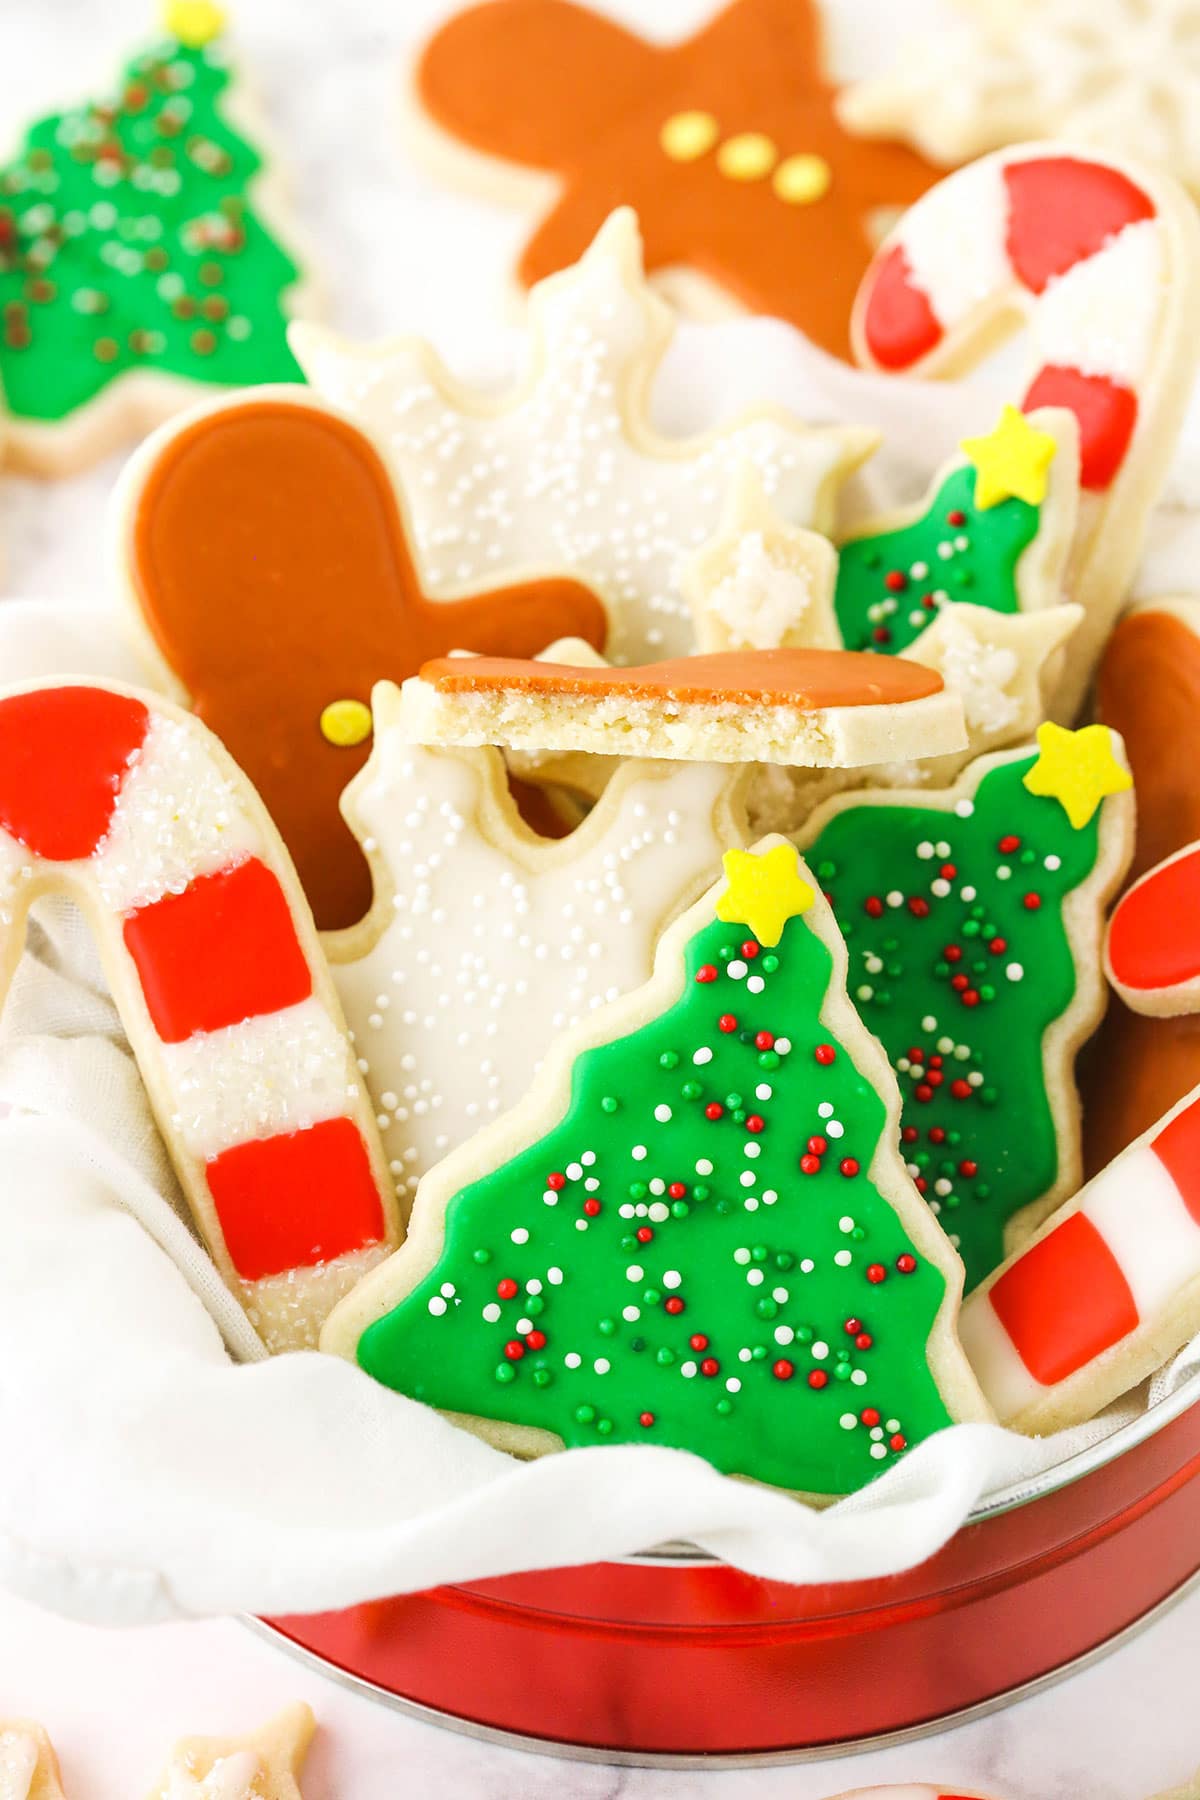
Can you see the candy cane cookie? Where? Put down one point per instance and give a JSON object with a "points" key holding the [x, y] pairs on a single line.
{"points": [[1102, 259], [134, 810], [1110, 1287]]}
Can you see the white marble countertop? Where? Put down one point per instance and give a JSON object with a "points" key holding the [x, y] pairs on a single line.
{"points": [[399, 252]]}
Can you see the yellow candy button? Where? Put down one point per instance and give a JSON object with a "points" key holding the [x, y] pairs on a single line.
{"points": [[747, 157], [194, 22], [799, 180], [688, 135], [346, 723]]}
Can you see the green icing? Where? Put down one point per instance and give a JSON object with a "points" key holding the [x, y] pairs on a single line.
{"points": [[960, 979], [127, 242], [770, 1263], [953, 551]]}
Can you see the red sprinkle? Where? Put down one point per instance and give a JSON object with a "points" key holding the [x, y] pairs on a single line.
{"points": [[899, 1442], [592, 1207], [750, 949], [863, 1341], [876, 1273], [817, 1378], [849, 1165], [873, 906], [673, 1304], [556, 1181], [906, 1263], [698, 1341], [644, 1234], [810, 1165], [706, 972], [507, 1289], [727, 1022], [968, 1168], [918, 907], [764, 1040], [825, 1054], [677, 1190], [1032, 902], [710, 1366], [514, 1350], [869, 1415], [714, 1110], [895, 581], [956, 517], [646, 1419], [783, 1370], [960, 1089], [535, 1340], [1008, 844], [755, 1124], [818, 1146]]}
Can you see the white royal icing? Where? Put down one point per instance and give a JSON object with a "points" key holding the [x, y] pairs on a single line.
{"points": [[234, 1777], [177, 816], [1139, 1212], [1102, 316], [281, 1072], [491, 953], [564, 474], [18, 1764], [954, 241], [996, 1362], [762, 600]]}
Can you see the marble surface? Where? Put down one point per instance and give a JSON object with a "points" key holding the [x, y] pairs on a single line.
{"points": [[398, 251]]}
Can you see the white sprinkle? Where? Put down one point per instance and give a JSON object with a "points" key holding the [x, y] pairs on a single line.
{"points": [[520, 1235]]}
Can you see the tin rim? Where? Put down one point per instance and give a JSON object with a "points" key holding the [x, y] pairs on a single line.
{"points": [[719, 1760]]}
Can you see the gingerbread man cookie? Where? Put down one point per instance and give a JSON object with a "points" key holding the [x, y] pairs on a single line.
{"points": [[565, 470], [727, 144], [695, 1230], [1102, 259], [267, 555], [131, 808], [140, 256]]}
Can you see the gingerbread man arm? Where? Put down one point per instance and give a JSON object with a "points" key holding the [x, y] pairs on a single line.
{"points": [[530, 81]]}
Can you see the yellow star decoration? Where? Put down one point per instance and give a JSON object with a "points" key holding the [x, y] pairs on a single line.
{"points": [[765, 891], [194, 22], [1077, 768], [1011, 462]]}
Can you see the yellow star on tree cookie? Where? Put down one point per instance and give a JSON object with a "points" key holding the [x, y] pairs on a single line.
{"points": [[1011, 462], [194, 22], [1078, 769], [765, 891]]}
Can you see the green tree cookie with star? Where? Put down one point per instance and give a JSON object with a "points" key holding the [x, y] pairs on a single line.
{"points": [[994, 532], [129, 238], [973, 922], [706, 1237]]}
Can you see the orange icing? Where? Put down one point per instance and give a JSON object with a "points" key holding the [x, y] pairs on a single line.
{"points": [[1149, 690], [759, 189], [269, 557], [804, 679]]}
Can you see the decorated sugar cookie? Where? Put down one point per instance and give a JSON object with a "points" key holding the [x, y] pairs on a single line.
{"points": [[486, 942], [1148, 690], [1104, 1293], [813, 708], [134, 810], [266, 1765], [1120, 74], [994, 531], [565, 470], [1101, 258], [973, 922], [696, 1230], [267, 556], [28, 1766], [728, 145], [141, 259]]}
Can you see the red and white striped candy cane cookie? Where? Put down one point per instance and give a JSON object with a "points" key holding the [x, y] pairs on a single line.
{"points": [[133, 809], [1102, 260]]}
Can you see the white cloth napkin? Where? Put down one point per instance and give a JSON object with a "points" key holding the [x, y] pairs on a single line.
{"points": [[152, 1463]]}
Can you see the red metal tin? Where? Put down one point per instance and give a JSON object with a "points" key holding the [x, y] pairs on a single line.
{"points": [[677, 1655]]}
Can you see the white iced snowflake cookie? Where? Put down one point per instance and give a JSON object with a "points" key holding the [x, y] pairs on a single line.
{"points": [[266, 1765], [486, 942], [1122, 74], [28, 1766], [565, 470]]}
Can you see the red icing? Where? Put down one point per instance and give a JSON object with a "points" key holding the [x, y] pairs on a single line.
{"points": [[899, 325], [1177, 1147], [1107, 414], [222, 951], [289, 1202], [64, 752], [1064, 1301], [1062, 211], [1154, 941]]}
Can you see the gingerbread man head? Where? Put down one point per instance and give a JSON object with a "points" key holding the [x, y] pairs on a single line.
{"points": [[267, 553], [727, 144]]}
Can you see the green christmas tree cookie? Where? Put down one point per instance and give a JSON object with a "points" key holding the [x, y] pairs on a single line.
{"points": [[696, 1230], [995, 531], [136, 255], [973, 919]]}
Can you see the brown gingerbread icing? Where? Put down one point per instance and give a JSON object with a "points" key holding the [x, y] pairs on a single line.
{"points": [[727, 144], [269, 557], [1149, 690], [805, 679]]}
